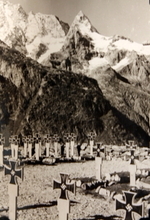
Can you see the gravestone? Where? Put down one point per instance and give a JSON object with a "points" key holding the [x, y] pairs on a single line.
{"points": [[91, 137], [72, 143], [129, 206], [37, 140], [132, 170], [14, 140], [67, 141], [63, 201], [47, 140], [55, 140], [2, 141], [30, 140], [13, 188], [25, 142], [98, 163]]}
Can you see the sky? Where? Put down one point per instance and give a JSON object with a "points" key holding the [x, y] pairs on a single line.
{"points": [[129, 18]]}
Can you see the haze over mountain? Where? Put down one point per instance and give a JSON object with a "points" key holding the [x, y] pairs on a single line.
{"points": [[54, 100]]}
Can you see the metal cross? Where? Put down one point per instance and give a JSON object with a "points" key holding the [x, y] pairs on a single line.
{"points": [[73, 137], [25, 139], [129, 206], [47, 138], [55, 138], [13, 172], [30, 139], [14, 139], [99, 149], [91, 136], [64, 186], [67, 137], [2, 139], [37, 138]]}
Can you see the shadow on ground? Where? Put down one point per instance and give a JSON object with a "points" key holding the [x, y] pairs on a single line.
{"points": [[101, 217]]}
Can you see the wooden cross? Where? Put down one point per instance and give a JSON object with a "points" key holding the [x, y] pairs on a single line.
{"points": [[2, 139], [47, 138], [99, 149], [73, 137], [30, 140], [129, 206], [13, 172], [91, 136], [37, 138], [63, 202], [64, 186], [67, 137], [14, 140], [13, 188]]}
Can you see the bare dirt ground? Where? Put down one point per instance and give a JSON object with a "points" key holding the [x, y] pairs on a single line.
{"points": [[37, 199]]}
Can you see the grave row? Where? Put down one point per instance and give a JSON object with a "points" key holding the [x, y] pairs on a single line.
{"points": [[128, 204], [67, 150]]}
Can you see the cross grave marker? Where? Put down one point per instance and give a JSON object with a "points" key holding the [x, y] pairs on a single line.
{"points": [[30, 140], [13, 188], [37, 140], [2, 141], [47, 140], [132, 169], [56, 139], [98, 163], [72, 143], [25, 142], [14, 141], [63, 201], [128, 206], [67, 140], [91, 137]]}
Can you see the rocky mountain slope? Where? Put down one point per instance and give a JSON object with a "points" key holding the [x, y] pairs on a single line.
{"points": [[35, 99], [54, 100], [35, 35]]}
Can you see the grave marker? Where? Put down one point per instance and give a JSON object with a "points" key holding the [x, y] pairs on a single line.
{"points": [[98, 161], [63, 201], [30, 140], [129, 206], [67, 140], [91, 137], [72, 143], [37, 139], [2, 141], [14, 140], [25, 141], [13, 188], [56, 139], [47, 140], [132, 170]]}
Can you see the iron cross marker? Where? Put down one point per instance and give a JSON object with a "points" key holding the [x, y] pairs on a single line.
{"points": [[13, 172], [30, 140], [37, 139], [2, 141], [128, 206], [63, 201], [91, 137], [56, 139], [72, 139], [67, 139], [14, 140], [25, 141], [64, 186], [13, 188], [47, 140]]}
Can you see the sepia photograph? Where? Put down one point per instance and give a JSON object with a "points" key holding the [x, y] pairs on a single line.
{"points": [[74, 110]]}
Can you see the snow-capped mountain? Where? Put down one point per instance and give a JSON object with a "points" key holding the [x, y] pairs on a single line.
{"points": [[36, 35]]}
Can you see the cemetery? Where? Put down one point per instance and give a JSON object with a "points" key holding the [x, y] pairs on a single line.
{"points": [[47, 177]]}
